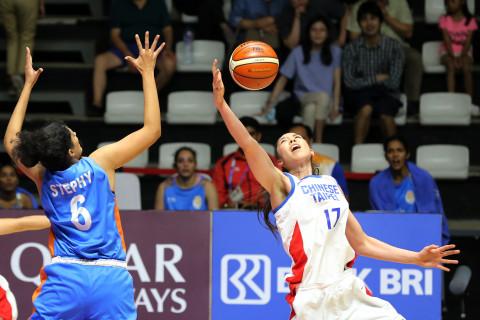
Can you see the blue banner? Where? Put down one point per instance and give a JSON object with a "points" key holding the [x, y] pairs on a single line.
{"points": [[249, 264]]}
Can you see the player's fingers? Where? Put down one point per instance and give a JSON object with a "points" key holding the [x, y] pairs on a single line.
{"points": [[450, 252], [160, 48], [147, 40], [443, 268], [214, 66], [447, 247], [139, 44], [155, 40]]}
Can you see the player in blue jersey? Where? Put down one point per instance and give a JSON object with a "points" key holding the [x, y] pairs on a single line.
{"points": [[318, 230], [87, 278]]}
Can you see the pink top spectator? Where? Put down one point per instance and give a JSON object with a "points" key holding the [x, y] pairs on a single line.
{"points": [[457, 32]]}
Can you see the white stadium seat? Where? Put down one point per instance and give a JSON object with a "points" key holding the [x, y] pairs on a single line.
{"points": [[327, 149], [167, 151], [139, 162], [444, 108], [128, 192], [444, 161], [124, 107], [191, 107], [436, 8], [401, 117], [232, 147], [204, 52], [431, 57], [368, 158]]}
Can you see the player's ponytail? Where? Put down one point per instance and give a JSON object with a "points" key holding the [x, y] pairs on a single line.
{"points": [[48, 145], [263, 214]]}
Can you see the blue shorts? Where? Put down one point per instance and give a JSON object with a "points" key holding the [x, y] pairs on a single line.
{"points": [[76, 292], [132, 46]]}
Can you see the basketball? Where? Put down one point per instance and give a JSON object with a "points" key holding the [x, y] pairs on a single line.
{"points": [[253, 65]]}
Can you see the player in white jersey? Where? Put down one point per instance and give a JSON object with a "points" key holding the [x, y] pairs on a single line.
{"points": [[318, 230]]}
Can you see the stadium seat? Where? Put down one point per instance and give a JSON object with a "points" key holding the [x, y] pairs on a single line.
{"points": [[444, 108], [436, 8], [247, 103], [368, 158], [124, 107], [444, 161], [431, 57], [204, 52], [191, 107], [231, 147], [139, 162], [128, 192], [401, 117], [167, 151], [327, 149]]}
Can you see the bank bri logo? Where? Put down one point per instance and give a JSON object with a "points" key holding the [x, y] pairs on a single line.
{"points": [[245, 279]]}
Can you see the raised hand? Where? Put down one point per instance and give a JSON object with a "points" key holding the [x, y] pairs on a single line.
{"points": [[147, 56], [432, 255], [31, 75], [218, 87]]}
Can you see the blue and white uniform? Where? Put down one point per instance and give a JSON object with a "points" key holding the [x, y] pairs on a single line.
{"points": [[312, 222], [87, 278]]}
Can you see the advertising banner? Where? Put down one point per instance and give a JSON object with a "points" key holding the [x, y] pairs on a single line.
{"points": [[168, 256], [249, 265]]}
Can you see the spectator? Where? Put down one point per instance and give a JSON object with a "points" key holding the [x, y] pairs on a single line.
{"points": [[255, 20], [20, 22], [127, 18], [325, 165], [404, 187], [315, 68], [372, 67], [235, 182], [397, 24], [11, 195], [186, 190], [457, 27], [295, 17]]}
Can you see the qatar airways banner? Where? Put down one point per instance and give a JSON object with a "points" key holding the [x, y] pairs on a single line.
{"points": [[249, 266], [168, 256]]}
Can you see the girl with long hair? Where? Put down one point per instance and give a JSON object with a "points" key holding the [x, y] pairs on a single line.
{"points": [[87, 278], [318, 230]]}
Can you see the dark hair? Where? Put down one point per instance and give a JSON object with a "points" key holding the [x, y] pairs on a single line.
{"points": [[177, 153], [396, 138], [48, 145], [369, 7], [308, 130], [465, 12], [326, 52], [250, 122]]}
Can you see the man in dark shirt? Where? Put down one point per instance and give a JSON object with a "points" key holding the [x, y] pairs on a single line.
{"points": [[372, 68], [127, 18]]}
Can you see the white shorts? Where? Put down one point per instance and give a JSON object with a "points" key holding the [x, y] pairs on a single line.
{"points": [[344, 299]]}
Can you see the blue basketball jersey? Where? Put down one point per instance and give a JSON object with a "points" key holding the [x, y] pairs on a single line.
{"points": [[83, 212], [177, 198]]}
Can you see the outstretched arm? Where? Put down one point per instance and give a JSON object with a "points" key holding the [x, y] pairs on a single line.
{"points": [[430, 257], [12, 225], [16, 120], [258, 160], [117, 154]]}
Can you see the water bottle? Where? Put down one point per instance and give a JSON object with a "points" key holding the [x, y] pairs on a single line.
{"points": [[188, 38]]}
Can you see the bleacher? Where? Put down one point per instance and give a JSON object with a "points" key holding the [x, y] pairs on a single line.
{"points": [[75, 30]]}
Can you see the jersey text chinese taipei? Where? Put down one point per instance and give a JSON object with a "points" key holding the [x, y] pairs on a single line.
{"points": [[83, 213]]}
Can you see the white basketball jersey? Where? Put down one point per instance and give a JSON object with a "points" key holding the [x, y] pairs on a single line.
{"points": [[311, 222]]}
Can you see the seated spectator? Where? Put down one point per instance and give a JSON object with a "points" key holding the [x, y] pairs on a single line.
{"points": [[404, 187], [186, 190], [315, 68], [372, 67], [11, 195], [127, 18], [295, 17], [258, 18], [397, 24], [324, 165], [457, 27], [235, 182]]}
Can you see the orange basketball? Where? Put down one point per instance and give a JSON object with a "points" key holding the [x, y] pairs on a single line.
{"points": [[253, 65]]}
